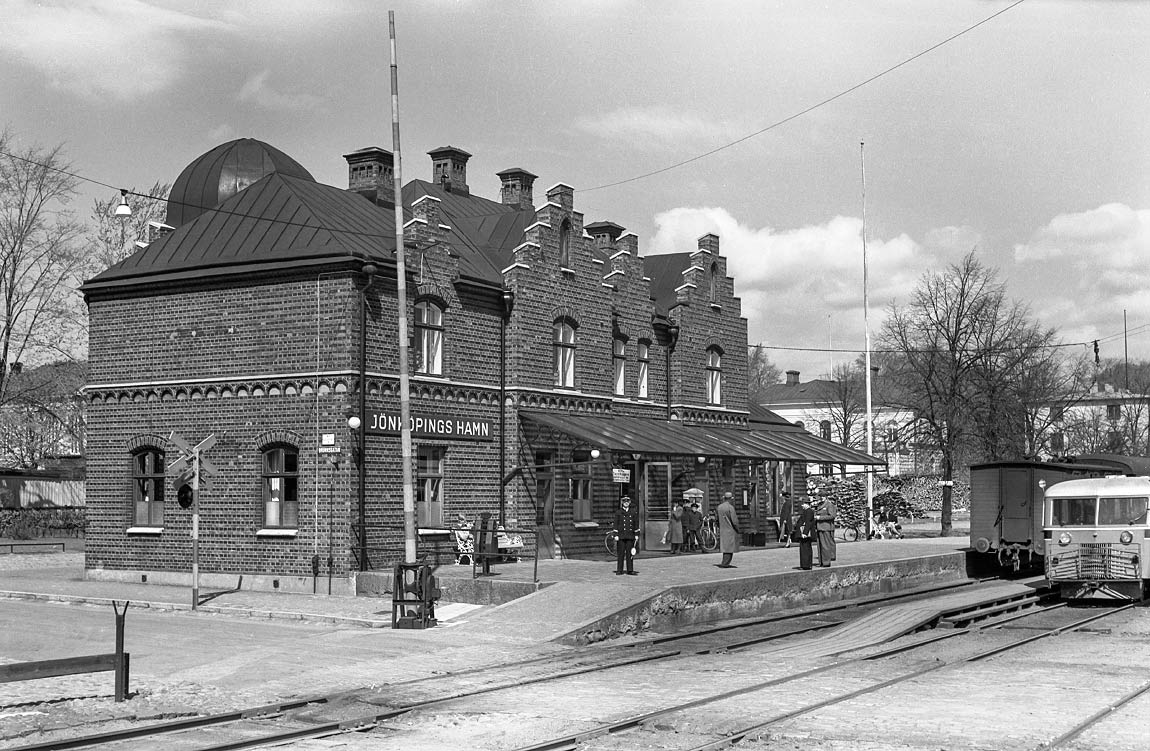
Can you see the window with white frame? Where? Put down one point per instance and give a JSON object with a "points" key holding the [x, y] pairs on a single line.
{"points": [[148, 487], [581, 486], [564, 338], [644, 362], [619, 363], [428, 338], [281, 487], [429, 486], [714, 376]]}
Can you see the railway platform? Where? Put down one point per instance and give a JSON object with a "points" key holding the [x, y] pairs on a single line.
{"points": [[566, 601]]}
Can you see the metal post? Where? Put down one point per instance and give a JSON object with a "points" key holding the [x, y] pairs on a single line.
{"points": [[121, 674], [360, 432], [195, 527]]}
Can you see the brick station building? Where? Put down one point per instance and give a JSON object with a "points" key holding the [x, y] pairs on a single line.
{"points": [[263, 316]]}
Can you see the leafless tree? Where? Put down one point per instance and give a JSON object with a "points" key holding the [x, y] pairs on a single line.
{"points": [[114, 238], [761, 372], [960, 348], [41, 260]]}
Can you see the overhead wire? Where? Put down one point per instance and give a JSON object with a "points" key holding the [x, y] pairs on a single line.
{"points": [[807, 110]]}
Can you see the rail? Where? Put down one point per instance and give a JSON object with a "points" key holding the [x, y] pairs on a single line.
{"points": [[13, 545]]}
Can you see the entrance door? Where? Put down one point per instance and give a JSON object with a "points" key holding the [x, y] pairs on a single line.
{"points": [[545, 505], [656, 506], [1017, 503]]}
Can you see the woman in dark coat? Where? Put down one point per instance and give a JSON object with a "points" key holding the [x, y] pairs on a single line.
{"points": [[786, 520], [806, 529]]}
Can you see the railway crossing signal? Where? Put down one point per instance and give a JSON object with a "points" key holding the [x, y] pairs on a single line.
{"points": [[193, 471]]}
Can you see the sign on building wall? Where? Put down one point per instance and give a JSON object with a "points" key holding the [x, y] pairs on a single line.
{"points": [[432, 426]]}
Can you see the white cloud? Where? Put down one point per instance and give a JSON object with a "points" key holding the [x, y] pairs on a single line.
{"points": [[653, 127], [257, 91], [122, 49], [803, 288]]}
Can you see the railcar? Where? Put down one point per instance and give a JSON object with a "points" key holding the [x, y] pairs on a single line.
{"points": [[1097, 539], [1006, 521]]}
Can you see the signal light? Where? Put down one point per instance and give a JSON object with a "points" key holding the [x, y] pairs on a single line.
{"points": [[184, 496]]}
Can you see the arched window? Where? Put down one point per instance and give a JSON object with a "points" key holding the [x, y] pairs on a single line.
{"points": [[619, 361], [644, 367], [825, 429], [565, 244], [428, 338], [148, 486], [564, 339], [714, 376], [281, 487]]}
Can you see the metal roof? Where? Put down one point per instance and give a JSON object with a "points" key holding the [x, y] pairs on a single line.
{"points": [[219, 174], [277, 219], [649, 436]]}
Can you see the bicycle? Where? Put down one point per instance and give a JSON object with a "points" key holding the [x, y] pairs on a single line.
{"points": [[709, 533], [612, 542]]}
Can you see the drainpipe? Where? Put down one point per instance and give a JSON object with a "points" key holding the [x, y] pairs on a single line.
{"points": [[368, 270], [672, 340], [508, 306]]}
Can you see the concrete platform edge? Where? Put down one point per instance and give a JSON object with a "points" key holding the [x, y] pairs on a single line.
{"points": [[684, 605]]}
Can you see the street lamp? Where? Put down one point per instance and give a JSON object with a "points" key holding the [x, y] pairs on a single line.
{"points": [[672, 340], [123, 211], [353, 425]]}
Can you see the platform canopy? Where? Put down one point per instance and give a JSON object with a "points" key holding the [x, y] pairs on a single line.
{"points": [[638, 435]]}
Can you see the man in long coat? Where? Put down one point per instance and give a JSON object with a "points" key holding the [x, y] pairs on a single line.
{"points": [[825, 524], [728, 531], [627, 527], [806, 529]]}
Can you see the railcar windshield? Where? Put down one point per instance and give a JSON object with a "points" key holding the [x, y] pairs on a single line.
{"points": [[1073, 512], [1124, 510]]}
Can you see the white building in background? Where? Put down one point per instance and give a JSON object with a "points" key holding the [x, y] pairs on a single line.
{"points": [[817, 406], [1105, 420]]}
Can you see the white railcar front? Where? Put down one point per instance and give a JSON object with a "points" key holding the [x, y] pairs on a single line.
{"points": [[1096, 537]]}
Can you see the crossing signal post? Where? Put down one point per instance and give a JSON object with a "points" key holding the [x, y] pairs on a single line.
{"points": [[193, 470]]}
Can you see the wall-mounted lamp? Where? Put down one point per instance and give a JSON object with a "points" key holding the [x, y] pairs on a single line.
{"points": [[123, 211], [595, 453], [1042, 484], [636, 457], [701, 459], [353, 422]]}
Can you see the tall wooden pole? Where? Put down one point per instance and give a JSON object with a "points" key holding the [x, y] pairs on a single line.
{"points": [[401, 313]]}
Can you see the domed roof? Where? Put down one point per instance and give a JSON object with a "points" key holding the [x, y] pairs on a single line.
{"points": [[224, 171]]}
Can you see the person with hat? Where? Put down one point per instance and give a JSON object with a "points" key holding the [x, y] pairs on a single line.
{"points": [[728, 531], [627, 527], [825, 515], [692, 524], [806, 531]]}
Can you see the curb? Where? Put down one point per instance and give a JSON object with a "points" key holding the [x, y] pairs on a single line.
{"points": [[187, 608]]}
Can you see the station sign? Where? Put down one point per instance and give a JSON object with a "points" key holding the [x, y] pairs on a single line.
{"points": [[452, 428]]}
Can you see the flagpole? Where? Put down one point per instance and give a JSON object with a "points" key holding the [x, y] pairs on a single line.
{"points": [[409, 551], [866, 326]]}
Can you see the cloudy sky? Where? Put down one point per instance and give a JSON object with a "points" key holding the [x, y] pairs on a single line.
{"points": [[1028, 137]]}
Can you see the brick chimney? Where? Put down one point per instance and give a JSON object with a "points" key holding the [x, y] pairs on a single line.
{"points": [[517, 189], [792, 378], [605, 233], [371, 173], [449, 169]]}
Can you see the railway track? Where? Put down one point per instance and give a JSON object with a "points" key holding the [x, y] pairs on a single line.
{"points": [[378, 709]]}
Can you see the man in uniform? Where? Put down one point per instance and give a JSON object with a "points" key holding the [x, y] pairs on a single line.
{"points": [[627, 527]]}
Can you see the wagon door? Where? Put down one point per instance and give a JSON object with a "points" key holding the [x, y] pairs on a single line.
{"points": [[1018, 507]]}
